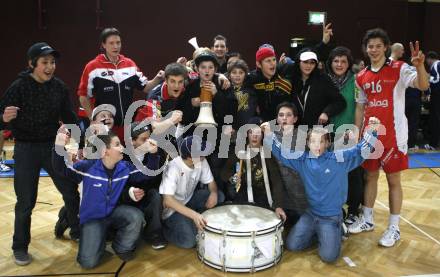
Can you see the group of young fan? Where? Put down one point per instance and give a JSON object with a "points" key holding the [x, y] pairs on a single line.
{"points": [[323, 135]]}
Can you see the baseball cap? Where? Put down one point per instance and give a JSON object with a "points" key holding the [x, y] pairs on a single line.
{"points": [[41, 49], [138, 128], [103, 107], [309, 55], [194, 146], [263, 53], [206, 56]]}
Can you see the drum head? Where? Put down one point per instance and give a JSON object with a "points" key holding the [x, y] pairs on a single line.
{"points": [[241, 218]]}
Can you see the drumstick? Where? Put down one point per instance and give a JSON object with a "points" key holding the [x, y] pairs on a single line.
{"points": [[239, 176]]}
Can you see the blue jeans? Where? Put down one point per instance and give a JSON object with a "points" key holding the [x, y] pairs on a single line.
{"points": [[151, 206], [181, 230], [126, 220], [310, 227]]}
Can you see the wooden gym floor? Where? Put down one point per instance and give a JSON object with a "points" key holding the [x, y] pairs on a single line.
{"points": [[418, 252]]}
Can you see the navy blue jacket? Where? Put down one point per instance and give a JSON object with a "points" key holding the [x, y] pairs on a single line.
{"points": [[101, 192]]}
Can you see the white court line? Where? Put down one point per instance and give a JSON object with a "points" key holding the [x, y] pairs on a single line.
{"points": [[414, 226]]}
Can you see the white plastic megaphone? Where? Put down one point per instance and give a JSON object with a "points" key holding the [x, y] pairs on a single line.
{"points": [[205, 118], [193, 42]]}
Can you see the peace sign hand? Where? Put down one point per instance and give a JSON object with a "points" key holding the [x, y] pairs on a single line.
{"points": [[417, 57], [327, 32]]}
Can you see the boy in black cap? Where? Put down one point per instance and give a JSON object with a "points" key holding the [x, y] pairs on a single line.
{"points": [[32, 108], [224, 104], [183, 203], [151, 203]]}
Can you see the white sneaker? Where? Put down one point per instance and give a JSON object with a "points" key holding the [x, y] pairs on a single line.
{"points": [[413, 149], [390, 237], [4, 168], [360, 225], [351, 218], [429, 147]]}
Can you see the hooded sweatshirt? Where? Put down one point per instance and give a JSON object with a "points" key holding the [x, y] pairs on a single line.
{"points": [[41, 107]]}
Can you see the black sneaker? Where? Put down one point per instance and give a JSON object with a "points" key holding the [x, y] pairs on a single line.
{"points": [[74, 236], [62, 224], [158, 242], [126, 256], [22, 257]]}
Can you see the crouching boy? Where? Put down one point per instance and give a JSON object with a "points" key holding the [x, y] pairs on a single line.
{"points": [[103, 181]]}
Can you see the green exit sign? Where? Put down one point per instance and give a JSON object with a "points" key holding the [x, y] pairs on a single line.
{"points": [[317, 18]]}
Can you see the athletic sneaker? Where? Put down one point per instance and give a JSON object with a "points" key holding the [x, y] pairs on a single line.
{"points": [[360, 225], [62, 224], [351, 218], [3, 167], [22, 257], [390, 237], [74, 236], [429, 147], [126, 256], [158, 242]]}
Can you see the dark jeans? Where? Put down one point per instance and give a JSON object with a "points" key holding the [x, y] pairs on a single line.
{"points": [[413, 108], [434, 119], [355, 190], [151, 206], [181, 230], [29, 159], [325, 229], [127, 221], [216, 164]]}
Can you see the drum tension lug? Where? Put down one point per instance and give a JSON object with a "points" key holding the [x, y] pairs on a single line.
{"points": [[254, 246], [224, 232]]}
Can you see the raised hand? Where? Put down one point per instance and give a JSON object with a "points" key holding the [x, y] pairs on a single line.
{"points": [[265, 128], [151, 146], [160, 75], [182, 60], [327, 33], [417, 57], [63, 136], [282, 59], [176, 116]]}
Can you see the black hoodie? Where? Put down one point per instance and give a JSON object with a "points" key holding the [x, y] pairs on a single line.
{"points": [[315, 96], [41, 107]]}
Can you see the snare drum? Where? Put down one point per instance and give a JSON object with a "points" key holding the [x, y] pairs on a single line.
{"points": [[240, 238]]}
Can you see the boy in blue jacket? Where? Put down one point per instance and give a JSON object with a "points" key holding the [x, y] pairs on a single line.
{"points": [[324, 174], [103, 181]]}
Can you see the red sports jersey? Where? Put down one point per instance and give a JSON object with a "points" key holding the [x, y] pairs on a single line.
{"points": [[383, 94]]}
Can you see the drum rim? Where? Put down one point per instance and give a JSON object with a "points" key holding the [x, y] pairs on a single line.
{"points": [[260, 232], [273, 262]]}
